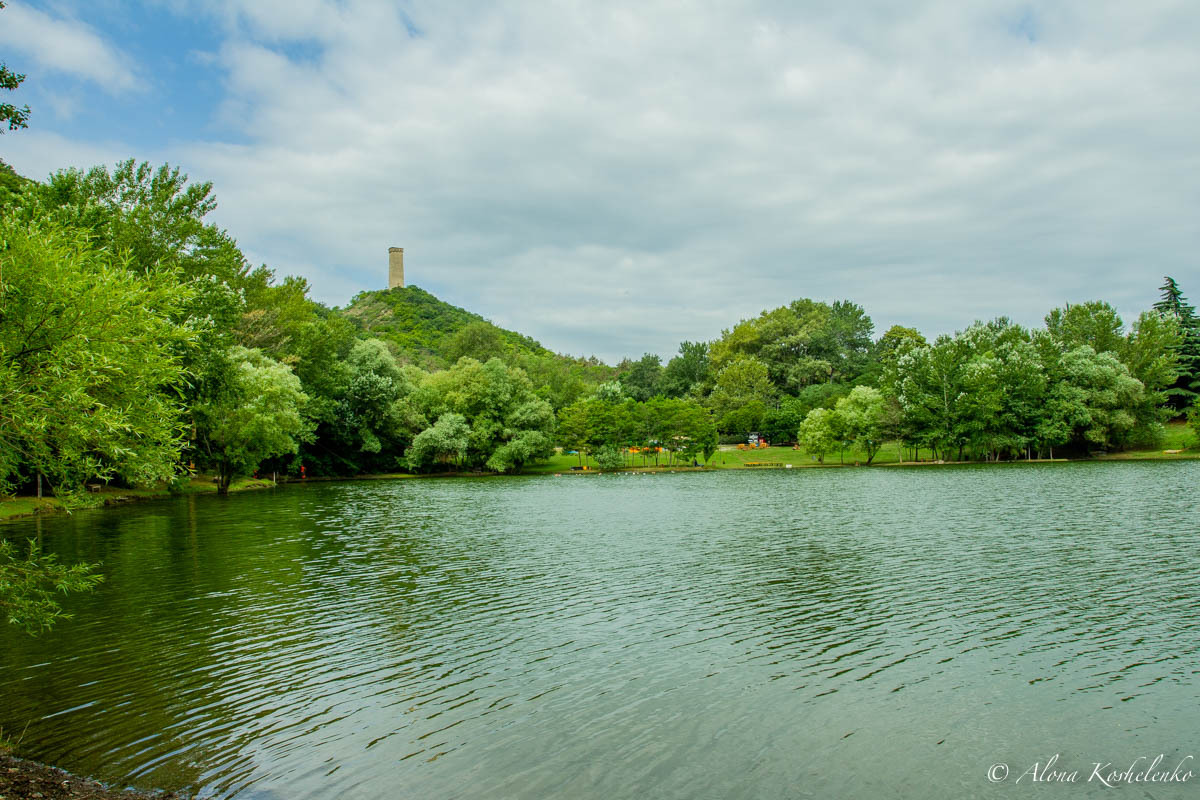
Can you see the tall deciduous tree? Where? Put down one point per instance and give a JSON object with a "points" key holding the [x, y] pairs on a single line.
{"points": [[742, 395], [688, 371], [640, 379], [88, 361], [257, 414], [818, 433], [510, 425], [862, 415], [444, 442]]}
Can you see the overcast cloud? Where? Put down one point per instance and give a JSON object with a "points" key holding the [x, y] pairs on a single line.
{"points": [[614, 179]]}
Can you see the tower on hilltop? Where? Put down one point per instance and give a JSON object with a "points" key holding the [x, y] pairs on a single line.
{"points": [[395, 267]]}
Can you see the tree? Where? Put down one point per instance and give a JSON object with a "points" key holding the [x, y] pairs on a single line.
{"points": [[15, 117], [510, 425], [1173, 303], [1153, 353], [556, 379], [89, 361], [256, 415], [818, 433], [1106, 404], [802, 343], [929, 387], [479, 340], [687, 371], [610, 457], [28, 586], [862, 415], [1094, 323], [640, 379], [894, 344], [445, 442], [1186, 388], [743, 384], [1194, 420], [155, 215]]}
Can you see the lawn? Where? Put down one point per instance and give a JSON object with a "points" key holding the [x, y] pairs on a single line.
{"points": [[1178, 437], [13, 507]]}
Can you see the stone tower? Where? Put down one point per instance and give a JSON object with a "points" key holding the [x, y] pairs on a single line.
{"points": [[395, 267]]}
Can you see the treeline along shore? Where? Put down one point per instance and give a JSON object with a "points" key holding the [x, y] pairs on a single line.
{"points": [[138, 347]]}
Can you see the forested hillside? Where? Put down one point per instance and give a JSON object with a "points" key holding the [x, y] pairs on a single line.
{"points": [[429, 332]]}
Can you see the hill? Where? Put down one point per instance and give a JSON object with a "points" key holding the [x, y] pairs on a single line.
{"points": [[432, 333]]}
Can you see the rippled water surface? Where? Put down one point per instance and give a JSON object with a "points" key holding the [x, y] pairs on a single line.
{"points": [[811, 633]]}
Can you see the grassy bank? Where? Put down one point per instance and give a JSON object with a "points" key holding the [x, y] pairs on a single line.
{"points": [[15, 507], [1178, 437]]}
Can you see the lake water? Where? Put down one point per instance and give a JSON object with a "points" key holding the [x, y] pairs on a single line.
{"points": [[854, 633]]}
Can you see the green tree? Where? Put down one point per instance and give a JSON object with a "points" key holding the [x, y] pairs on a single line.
{"points": [[640, 379], [15, 117], [929, 387], [688, 371], [1094, 323], [1154, 352], [557, 380], [610, 456], [510, 425], [898, 341], [1186, 388], [1105, 402], [28, 586], [780, 424], [88, 361], [742, 386], [862, 413], [479, 340], [802, 343], [258, 414], [818, 433], [1173, 303], [445, 442]]}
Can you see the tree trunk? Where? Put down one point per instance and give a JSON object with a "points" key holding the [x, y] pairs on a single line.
{"points": [[39, 486]]}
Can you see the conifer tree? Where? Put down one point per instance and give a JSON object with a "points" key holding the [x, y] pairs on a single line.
{"points": [[1186, 390]]}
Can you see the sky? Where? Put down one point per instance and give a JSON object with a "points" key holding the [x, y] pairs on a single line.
{"points": [[614, 178]]}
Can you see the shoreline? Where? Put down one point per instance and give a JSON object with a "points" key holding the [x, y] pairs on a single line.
{"points": [[25, 779], [23, 507]]}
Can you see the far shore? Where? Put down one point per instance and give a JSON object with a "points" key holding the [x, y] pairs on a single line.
{"points": [[763, 459]]}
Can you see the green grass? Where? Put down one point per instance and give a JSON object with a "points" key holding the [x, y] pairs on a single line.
{"points": [[723, 459], [1179, 436], [11, 507], [14, 507]]}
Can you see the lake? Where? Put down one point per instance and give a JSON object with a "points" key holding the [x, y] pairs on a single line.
{"points": [[837, 633]]}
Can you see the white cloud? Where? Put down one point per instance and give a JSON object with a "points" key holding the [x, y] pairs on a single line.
{"points": [[614, 179], [69, 46]]}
